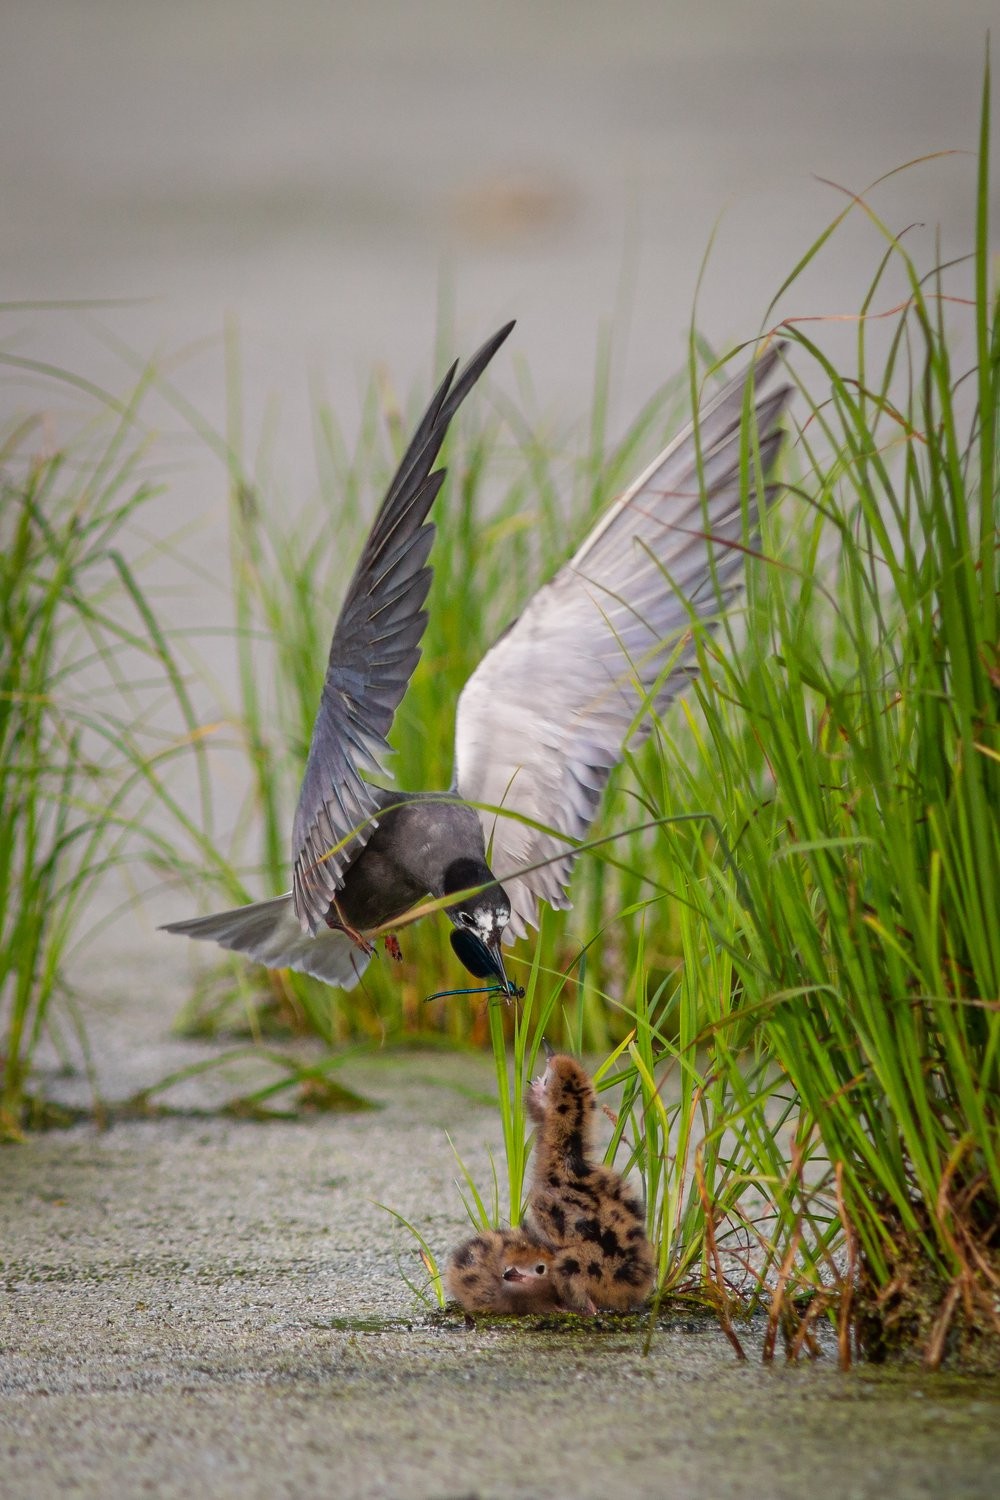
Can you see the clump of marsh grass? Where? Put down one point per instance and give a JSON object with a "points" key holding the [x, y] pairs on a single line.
{"points": [[74, 776], [814, 1095], [850, 735]]}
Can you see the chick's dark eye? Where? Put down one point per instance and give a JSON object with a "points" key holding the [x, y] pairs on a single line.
{"points": [[540, 1269]]}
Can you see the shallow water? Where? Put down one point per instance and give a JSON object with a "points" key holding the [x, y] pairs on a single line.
{"points": [[199, 1305], [327, 177]]}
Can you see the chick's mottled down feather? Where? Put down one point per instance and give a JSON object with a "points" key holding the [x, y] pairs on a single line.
{"points": [[584, 1246], [502, 1271], [583, 1210]]}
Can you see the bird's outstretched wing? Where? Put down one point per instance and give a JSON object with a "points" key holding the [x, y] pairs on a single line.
{"points": [[546, 714], [375, 647]]}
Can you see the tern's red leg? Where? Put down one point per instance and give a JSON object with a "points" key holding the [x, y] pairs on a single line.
{"points": [[335, 918]]}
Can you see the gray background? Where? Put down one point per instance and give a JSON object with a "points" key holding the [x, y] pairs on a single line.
{"points": [[322, 171]]}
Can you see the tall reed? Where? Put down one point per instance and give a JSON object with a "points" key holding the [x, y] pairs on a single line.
{"points": [[848, 734], [82, 659], [813, 1095]]}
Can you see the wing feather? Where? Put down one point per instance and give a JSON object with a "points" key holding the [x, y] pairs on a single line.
{"points": [[375, 647], [548, 711]]}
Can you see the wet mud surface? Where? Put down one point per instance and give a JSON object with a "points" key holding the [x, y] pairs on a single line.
{"points": [[209, 1305]]}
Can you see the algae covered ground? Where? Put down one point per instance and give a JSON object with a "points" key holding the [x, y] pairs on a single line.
{"points": [[201, 1304]]}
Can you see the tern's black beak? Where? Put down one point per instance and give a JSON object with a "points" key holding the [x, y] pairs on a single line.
{"points": [[482, 961], [496, 954]]}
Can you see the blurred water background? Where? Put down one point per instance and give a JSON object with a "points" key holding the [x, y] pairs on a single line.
{"points": [[344, 180]]}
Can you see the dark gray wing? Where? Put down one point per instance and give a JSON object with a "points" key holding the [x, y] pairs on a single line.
{"points": [[375, 647], [548, 711]]}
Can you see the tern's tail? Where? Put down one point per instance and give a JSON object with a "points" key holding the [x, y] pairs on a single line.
{"points": [[269, 932]]}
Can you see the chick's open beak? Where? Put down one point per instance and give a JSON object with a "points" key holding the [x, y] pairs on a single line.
{"points": [[511, 1273]]}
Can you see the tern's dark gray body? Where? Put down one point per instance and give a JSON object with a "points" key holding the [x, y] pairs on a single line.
{"points": [[541, 722], [426, 843]]}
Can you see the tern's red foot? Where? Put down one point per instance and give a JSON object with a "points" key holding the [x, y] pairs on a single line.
{"points": [[334, 918], [392, 947]]}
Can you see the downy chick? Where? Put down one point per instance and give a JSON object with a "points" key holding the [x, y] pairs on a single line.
{"points": [[502, 1271], [584, 1210]]}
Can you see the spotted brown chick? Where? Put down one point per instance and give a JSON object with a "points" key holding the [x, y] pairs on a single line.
{"points": [[502, 1271], [584, 1210]]}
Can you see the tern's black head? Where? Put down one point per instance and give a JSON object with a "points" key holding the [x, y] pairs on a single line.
{"points": [[484, 912]]}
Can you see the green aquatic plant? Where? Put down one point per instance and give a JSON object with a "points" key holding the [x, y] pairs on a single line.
{"points": [[848, 729], [83, 665]]}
